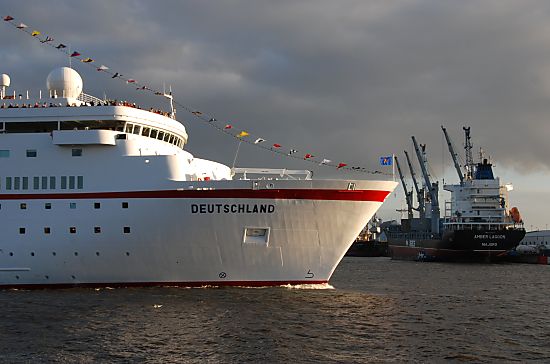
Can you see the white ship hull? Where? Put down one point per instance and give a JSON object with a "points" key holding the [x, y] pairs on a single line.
{"points": [[191, 236]]}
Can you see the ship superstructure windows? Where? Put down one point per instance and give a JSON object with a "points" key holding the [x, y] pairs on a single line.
{"points": [[23, 206], [72, 205], [125, 205], [4, 153], [48, 206], [153, 133], [97, 205], [43, 182], [77, 152]]}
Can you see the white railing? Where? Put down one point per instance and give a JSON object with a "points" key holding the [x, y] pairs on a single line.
{"points": [[89, 98], [275, 173]]}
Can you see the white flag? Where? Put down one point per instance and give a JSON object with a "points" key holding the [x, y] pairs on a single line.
{"points": [[325, 161], [259, 140]]}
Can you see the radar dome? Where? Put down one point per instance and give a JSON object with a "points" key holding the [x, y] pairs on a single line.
{"points": [[4, 80], [64, 82]]}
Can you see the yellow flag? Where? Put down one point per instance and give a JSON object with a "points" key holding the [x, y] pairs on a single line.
{"points": [[35, 33], [242, 134], [87, 60]]}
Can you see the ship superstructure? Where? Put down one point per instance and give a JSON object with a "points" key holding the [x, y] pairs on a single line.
{"points": [[96, 192], [477, 224]]}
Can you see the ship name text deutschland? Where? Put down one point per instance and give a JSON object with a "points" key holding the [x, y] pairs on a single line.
{"points": [[241, 208]]}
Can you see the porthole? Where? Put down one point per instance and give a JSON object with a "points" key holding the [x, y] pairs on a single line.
{"points": [[11, 254], [97, 205], [72, 230], [16, 277], [54, 254], [97, 229], [73, 277], [47, 230], [97, 253], [23, 206], [48, 206], [76, 254], [126, 230], [127, 254], [47, 277], [125, 205], [22, 230]]}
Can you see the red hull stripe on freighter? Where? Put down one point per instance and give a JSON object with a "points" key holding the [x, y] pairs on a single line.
{"points": [[275, 194]]}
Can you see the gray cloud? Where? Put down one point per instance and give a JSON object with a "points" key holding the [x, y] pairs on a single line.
{"points": [[348, 81]]}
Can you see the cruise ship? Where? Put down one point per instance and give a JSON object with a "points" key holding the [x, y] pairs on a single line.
{"points": [[102, 193]]}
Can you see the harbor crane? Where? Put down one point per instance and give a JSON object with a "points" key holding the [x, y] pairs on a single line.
{"points": [[419, 191], [453, 155], [408, 194], [433, 188]]}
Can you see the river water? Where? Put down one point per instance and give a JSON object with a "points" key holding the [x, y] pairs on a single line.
{"points": [[378, 311]]}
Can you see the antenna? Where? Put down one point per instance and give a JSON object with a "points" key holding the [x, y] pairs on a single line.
{"points": [[236, 154], [468, 150]]}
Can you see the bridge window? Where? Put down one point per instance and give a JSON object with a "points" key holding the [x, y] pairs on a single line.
{"points": [[31, 153], [35, 183], [77, 152], [52, 182], [4, 153]]}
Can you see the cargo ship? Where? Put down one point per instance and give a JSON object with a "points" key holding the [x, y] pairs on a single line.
{"points": [[477, 225]]}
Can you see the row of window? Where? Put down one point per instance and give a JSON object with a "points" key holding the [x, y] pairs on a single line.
{"points": [[154, 133], [44, 183], [72, 205], [72, 230], [33, 153]]}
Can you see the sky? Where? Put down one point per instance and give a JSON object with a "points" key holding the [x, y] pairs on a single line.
{"points": [[346, 80]]}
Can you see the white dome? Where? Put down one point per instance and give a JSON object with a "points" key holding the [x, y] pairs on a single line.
{"points": [[4, 80], [64, 82]]}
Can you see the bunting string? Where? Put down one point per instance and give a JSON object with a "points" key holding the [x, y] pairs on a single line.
{"points": [[227, 129]]}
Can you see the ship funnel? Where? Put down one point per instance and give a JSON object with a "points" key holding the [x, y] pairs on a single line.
{"points": [[64, 82], [4, 83]]}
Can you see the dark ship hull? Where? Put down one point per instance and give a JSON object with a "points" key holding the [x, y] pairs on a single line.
{"points": [[455, 246], [368, 248]]}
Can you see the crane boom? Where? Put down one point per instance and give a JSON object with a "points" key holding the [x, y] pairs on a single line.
{"points": [[433, 189], [453, 154], [419, 191], [408, 195]]}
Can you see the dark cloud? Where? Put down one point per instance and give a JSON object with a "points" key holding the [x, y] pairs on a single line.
{"points": [[347, 80]]}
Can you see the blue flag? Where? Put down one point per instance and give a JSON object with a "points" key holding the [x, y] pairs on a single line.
{"points": [[386, 161]]}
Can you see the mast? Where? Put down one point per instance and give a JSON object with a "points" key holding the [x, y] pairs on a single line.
{"points": [[453, 154], [408, 195], [433, 188], [468, 149], [419, 191]]}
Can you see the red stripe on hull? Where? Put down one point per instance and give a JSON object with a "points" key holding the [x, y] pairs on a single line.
{"points": [[161, 284], [275, 194]]}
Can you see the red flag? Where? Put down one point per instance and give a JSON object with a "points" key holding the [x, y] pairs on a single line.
{"points": [[277, 145], [307, 156], [340, 165], [131, 80], [227, 126], [8, 18], [75, 54]]}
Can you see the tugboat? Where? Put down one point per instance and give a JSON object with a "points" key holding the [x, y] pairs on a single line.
{"points": [[477, 225]]}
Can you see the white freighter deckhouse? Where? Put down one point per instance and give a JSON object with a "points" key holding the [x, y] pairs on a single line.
{"points": [[102, 193]]}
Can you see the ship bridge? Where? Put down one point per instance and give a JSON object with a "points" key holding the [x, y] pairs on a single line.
{"points": [[67, 108]]}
